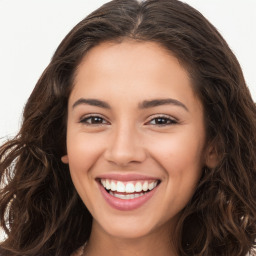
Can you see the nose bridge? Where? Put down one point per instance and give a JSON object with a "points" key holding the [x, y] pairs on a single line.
{"points": [[126, 145]]}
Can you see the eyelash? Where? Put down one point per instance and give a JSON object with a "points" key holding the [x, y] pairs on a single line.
{"points": [[167, 120], [85, 120], [158, 120]]}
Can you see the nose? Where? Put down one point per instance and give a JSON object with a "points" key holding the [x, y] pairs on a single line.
{"points": [[125, 147]]}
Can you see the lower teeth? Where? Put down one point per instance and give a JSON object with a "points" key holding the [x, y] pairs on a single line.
{"points": [[129, 196]]}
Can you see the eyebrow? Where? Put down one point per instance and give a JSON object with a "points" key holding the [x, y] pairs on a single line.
{"points": [[160, 102], [91, 102], [143, 105]]}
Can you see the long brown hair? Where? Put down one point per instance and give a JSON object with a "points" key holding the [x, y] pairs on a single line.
{"points": [[40, 209]]}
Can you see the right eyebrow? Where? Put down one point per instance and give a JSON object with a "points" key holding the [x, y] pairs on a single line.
{"points": [[91, 102]]}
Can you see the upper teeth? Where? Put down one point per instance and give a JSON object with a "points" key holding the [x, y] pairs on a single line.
{"points": [[128, 187]]}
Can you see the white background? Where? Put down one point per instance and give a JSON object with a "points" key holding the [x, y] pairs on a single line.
{"points": [[30, 31]]}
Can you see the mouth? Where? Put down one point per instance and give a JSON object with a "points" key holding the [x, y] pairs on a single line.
{"points": [[128, 190], [127, 195]]}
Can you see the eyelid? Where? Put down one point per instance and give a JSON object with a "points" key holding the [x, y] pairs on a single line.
{"points": [[155, 116], [88, 116]]}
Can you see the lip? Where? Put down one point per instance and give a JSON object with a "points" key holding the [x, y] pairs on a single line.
{"points": [[126, 204], [126, 177]]}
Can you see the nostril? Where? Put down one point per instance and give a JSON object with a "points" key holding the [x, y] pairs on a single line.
{"points": [[125, 157], [125, 147]]}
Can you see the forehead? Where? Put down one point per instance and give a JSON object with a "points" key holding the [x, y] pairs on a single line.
{"points": [[130, 68], [130, 52]]}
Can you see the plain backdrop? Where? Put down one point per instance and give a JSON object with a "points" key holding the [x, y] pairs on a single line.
{"points": [[30, 31]]}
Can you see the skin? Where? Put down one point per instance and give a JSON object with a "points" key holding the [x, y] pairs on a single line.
{"points": [[128, 139]]}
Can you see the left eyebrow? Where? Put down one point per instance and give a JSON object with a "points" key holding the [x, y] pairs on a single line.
{"points": [[160, 102]]}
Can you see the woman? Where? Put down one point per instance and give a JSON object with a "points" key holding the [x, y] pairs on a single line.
{"points": [[138, 139]]}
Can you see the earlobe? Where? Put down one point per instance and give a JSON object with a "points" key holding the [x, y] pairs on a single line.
{"points": [[212, 158], [64, 159]]}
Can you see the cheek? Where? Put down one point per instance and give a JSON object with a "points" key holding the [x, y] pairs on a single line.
{"points": [[83, 151], [181, 156], [180, 152]]}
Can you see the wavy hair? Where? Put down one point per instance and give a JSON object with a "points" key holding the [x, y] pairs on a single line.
{"points": [[40, 209]]}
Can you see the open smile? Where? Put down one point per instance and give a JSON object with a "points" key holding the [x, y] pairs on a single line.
{"points": [[127, 195]]}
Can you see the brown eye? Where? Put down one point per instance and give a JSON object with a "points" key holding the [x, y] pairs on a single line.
{"points": [[93, 120], [161, 121]]}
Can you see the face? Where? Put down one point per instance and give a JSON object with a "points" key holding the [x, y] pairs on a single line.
{"points": [[135, 138]]}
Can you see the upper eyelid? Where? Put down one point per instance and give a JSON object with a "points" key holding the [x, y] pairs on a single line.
{"points": [[173, 121], [162, 116], [93, 115]]}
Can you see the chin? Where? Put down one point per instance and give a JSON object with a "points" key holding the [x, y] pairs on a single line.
{"points": [[133, 227], [131, 232]]}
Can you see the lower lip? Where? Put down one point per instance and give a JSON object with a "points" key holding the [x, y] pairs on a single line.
{"points": [[126, 204]]}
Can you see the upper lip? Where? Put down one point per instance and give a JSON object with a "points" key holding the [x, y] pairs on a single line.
{"points": [[126, 177]]}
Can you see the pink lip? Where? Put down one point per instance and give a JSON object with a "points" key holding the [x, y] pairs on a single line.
{"points": [[126, 177], [126, 204]]}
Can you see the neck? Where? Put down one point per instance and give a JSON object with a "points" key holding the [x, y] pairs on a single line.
{"points": [[157, 243]]}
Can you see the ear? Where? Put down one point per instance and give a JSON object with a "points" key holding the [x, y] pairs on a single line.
{"points": [[211, 158], [64, 159]]}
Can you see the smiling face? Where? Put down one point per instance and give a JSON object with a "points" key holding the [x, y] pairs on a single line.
{"points": [[135, 138]]}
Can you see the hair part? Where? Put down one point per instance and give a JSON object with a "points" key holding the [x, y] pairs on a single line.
{"points": [[40, 209]]}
